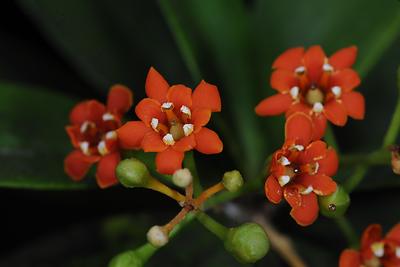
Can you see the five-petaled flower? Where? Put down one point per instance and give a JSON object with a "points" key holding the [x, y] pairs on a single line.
{"points": [[375, 250], [319, 86], [92, 131], [172, 122], [301, 170]]}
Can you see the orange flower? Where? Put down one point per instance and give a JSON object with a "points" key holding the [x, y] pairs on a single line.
{"points": [[375, 249], [92, 133], [321, 87], [301, 170], [172, 122]]}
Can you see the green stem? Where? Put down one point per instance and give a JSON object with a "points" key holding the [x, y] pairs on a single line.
{"points": [[212, 225], [393, 130], [348, 231], [330, 138], [356, 178], [190, 163], [378, 157]]}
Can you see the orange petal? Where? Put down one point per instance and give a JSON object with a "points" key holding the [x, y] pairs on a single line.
{"points": [[372, 234], [290, 59], [336, 112], [169, 161], [74, 134], [329, 164], [319, 122], [90, 110], [322, 185], [283, 80], [274, 105], [273, 190], [105, 174], [148, 109], [208, 142], [76, 164], [315, 151], [180, 95], [307, 212], [347, 79], [120, 99], [152, 142], [292, 195], [185, 144], [313, 60], [200, 117], [344, 58], [298, 127], [298, 107], [206, 96], [355, 104], [350, 258], [394, 233], [156, 86], [131, 134]]}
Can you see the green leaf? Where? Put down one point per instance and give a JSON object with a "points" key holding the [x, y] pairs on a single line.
{"points": [[33, 142]]}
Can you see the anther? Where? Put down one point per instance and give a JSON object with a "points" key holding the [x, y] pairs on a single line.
{"points": [[337, 91], [300, 70], [398, 252], [284, 161], [298, 147], [307, 191], [84, 146], [188, 129], [111, 135], [85, 126], [154, 124], [283, 180], [102, 148], [318, 107], [167, 105], [378, 248], [294, 92], [185, 110], [108, 117], [168, 139], [327, 67]]}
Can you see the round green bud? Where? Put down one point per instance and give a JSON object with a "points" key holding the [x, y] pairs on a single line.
{"points": [[336, 204], [232, 181], [132, 173], [127, 259], [248, 243]]}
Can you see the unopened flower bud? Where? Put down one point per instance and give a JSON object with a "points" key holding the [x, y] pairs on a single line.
{"points": [[336, 204], [248, 243], [232, 181], [396, 160], [157, 236], [182, 178], [127, 259], [132, 173]]}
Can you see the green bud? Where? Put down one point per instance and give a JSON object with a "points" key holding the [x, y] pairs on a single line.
{"points": [[336, 204], [133, 173], [232, 181], [248, 243], [127, 259]]}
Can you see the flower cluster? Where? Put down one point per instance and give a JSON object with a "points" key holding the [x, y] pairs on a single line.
{"points": [[312, 89], [375, 250]]}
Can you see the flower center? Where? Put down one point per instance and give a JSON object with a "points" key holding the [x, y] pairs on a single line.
{"points": [[98, 139], [314, 95], [178, 123]]}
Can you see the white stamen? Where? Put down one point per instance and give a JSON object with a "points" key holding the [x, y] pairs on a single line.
{"points": [[102, 148], [188, 129], [318, 107], [84, 147], [111, 135], [316, 167], [186, 110], [85, 125], [299, 147], [108, 117], [284, 161], [307, 191], [294, 92], [168, 139], [300, 69], [336, 90], [154, 124], [167, 105], [327, 67], [283, 180], [398, 252], [378, 248]]}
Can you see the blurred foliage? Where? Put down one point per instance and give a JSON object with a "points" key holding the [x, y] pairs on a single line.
{"points": [[230, 43]]}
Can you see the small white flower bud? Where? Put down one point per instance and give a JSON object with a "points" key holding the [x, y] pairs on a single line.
{"points": [[182, 178], [157, 236]]}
